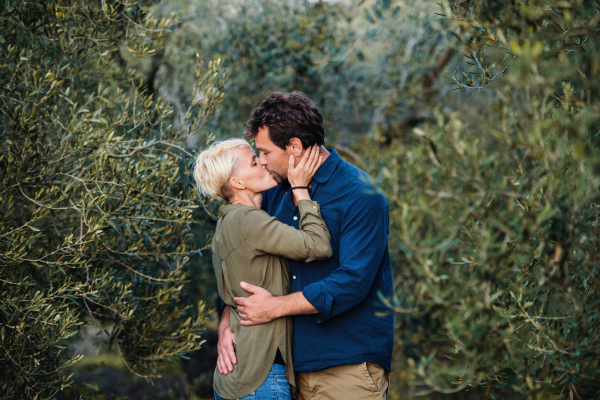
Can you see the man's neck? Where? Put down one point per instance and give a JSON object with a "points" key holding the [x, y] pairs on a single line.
{"points": [[324, 152]]}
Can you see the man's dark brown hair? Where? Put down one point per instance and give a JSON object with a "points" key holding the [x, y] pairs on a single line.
{"points": [[287, 116]]}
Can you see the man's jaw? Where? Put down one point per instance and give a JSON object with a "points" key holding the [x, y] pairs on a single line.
{"points": [[279, 178]]}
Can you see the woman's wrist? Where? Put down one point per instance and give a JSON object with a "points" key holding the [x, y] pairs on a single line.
{"points": [[296, 187], [301, 194]]}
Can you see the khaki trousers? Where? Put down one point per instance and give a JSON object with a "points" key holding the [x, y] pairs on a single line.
{"points": [[344, 382]]}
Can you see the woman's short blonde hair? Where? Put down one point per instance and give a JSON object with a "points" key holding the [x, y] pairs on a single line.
{"points": [[214, 166]]}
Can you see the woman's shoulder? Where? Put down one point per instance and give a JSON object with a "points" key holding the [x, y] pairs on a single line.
{"points": [[240, 209], [242, 222], [245, 215]]}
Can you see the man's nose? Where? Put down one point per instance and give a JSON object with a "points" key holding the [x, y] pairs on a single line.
{"points": [[262, 160]]}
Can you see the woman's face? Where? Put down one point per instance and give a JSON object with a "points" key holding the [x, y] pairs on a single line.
{"points": [[247, 170]]}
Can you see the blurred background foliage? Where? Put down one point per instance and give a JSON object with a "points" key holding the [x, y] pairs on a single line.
{"points": [[493, 187]]}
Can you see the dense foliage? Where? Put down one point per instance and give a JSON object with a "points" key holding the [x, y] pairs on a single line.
{"points": [[96, 205], [497, 224]]}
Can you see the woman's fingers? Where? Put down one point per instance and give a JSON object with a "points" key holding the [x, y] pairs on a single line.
{"points": [[315, 158], [291, 162], [305, 157], [310, 160], [309, 163], [312, 166]]}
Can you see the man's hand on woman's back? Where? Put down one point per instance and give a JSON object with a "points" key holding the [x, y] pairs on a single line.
{"points": [[226, 358], [262, 307]]}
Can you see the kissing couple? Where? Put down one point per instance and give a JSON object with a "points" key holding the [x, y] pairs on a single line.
{"points": [[301, 258]]}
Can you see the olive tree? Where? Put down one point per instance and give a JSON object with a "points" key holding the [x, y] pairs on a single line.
{"points": [[96, 202], [494, 226]]}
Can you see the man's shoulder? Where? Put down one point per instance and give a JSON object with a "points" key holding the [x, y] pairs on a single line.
{"points": [[355, 182]]}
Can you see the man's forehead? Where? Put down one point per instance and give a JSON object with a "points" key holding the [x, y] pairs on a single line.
{"points": [[262, 139], [264, 144]]}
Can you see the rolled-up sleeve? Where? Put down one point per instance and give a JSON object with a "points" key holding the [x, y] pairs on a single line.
{"points": [[363, 244]]}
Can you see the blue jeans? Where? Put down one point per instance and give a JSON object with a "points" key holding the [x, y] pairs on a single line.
{"points": [[275, 387]]}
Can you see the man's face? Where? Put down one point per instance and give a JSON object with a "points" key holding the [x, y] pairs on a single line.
{"points": [[273, 158]]}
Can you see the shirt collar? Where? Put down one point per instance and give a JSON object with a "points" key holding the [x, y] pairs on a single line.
{"points": [[329, 165]]}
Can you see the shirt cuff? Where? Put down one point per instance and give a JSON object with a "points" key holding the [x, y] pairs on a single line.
{"points": [[321, 300], [308, 207]]}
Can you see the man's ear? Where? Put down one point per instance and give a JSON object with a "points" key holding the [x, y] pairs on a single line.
{"points": [[295, 147]]}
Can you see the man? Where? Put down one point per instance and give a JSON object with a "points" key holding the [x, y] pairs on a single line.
{"points": [[343, 332]]}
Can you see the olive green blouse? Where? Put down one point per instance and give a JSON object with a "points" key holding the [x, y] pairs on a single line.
{"points": [[251, 246]]}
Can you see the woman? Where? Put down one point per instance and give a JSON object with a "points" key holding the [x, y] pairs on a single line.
{"points": [[251, 246]]}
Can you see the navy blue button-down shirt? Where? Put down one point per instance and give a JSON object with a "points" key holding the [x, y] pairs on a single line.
{"points": [[353, 324]]}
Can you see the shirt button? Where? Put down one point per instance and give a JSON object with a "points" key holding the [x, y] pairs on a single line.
{"points": [[314, 207], [294, 276], [295, 218]]}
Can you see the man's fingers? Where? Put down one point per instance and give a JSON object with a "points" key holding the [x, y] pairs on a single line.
{"points": [[233, 340], [226, 361], [246, 323], [291, 162], [240, 301], [231, 358], [227, 367], [222, 364], [249, 288]]}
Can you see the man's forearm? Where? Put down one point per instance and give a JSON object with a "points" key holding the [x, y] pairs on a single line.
{"points": [[224, 323], [262, 307], [293, 304]]}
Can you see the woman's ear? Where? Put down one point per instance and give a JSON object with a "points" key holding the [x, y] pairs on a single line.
{"points": [[235, 183], [296, 147]]}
